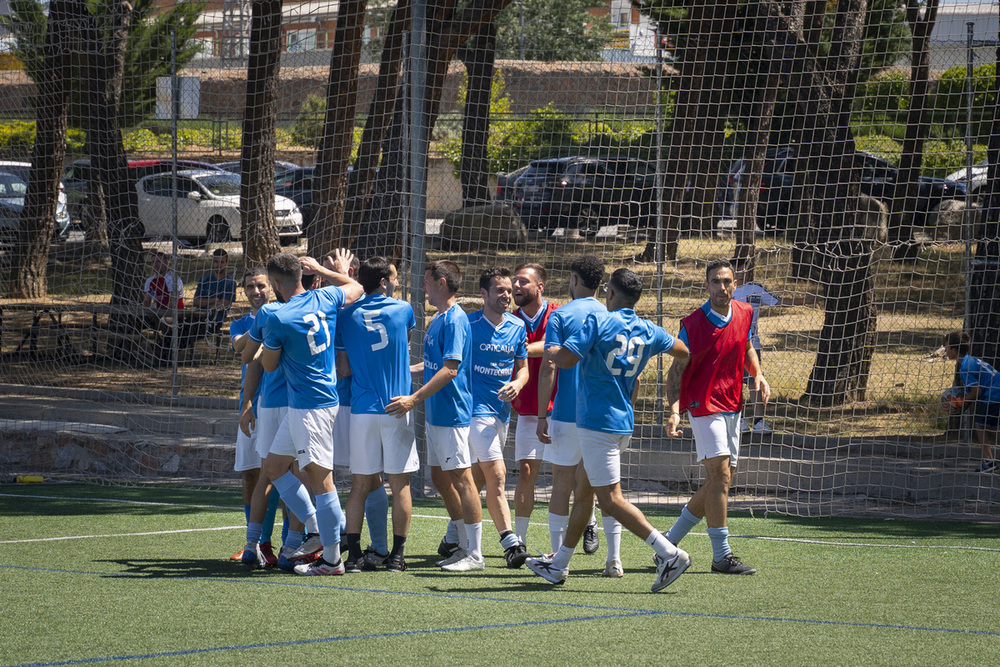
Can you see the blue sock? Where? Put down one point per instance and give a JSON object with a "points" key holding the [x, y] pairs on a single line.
{"points": [[253, 532], [272, 508], [296, 497], [451, 534], [246, 513], [328, 516], [377, 515], [720, 543], [284, 529], [682, 526]]}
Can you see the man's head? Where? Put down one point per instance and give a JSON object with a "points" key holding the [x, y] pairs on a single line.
{"points": [[220, 262], [256, 287], [720, 282], [586, 272], [957, 344], [285, 273], [624, 289], [378, 274], [529, 282], [160, 262], [442, 280], [495, 288]]}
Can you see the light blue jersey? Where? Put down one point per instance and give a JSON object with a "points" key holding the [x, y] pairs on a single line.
{"points": [[975, 372], [374, 331], [303, 329], [449, 337], [564, 322], [238, 328], [494, 350], [273, 392], [613, 349]]}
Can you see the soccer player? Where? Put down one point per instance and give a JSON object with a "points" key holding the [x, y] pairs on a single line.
{"points": [[534, 310], [562, 444], [981, 389], [709, 387], [611, 349], [298, 338], [258, 292], [374, 335], [499, 373], [447, 370]]}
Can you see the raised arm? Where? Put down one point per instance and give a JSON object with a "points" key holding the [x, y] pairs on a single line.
{"points": [[400, 405]]}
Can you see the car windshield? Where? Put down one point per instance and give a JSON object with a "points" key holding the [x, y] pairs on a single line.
{"points": [[543, 169], [221, 184], [12, 186]]}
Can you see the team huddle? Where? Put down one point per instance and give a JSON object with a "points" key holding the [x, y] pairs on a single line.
{"points": [[328, 382]]}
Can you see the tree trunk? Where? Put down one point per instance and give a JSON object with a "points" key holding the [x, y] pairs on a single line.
{"points": [[479, 56], [27, 273], [260, 232], [327, 231], [906, 201]]}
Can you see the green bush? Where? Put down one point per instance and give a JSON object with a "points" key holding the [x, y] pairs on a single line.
{"points": [[17, 137], [140, 141], [881, 145], [889, 90], [944, 157], [307, 129], [949, 101]]}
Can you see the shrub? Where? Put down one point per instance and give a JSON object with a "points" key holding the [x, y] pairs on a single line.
{"points": [[944, 157], [889, 90]]}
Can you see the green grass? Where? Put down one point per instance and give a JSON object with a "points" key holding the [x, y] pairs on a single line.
{"points": [[831, 591]]}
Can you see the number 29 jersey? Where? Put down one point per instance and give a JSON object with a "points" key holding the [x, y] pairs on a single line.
{"points": [[613, 348], [374, 331]]}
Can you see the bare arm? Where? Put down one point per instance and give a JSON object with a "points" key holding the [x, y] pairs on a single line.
{"points": [[510, 390], [546, 382], [400, 405], [269, 359], [753, 368], [563, 358], [673, 389], [251, 381], [343, 365], [250, 349], [338, 275], [536, 349]]}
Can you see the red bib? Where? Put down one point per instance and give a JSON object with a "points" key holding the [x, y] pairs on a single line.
{"points": [[713, 379], [526, 402]]}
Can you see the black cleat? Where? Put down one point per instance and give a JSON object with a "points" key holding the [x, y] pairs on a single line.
{"points": [[591, 543], [446, 549], [731, 565], [515, 555]]}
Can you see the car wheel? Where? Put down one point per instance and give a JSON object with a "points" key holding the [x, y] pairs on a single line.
{"points": [[588, 220], [217, 230]]}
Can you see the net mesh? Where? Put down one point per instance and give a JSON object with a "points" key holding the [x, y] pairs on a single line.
{"points": [[836, 152]]}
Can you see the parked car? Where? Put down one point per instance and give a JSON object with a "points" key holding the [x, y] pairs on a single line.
{"points": [[584, 192], [979, 173], [297, 185], [207, 207], [505, 184], [23, 170], [878, 180], [13, 190], [279, 167]]}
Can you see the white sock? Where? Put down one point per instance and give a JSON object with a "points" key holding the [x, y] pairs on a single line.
{"points": [[562, 557], [521, 528], [613, 536], [453, 535], [593, 516], [475, 538], [312, 526], [463, 534], [509, 540], [661, 545], [557, 529]]}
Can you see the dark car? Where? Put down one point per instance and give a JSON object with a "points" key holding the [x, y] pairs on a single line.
{"points": [[279, 167], [297, 185], [584, 192], [878, 180], [506, 181]]}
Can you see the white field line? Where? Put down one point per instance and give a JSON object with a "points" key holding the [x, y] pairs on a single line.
{"points": [[792, 540]]}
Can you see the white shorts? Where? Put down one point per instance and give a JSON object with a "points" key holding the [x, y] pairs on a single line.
{"points": [[526, 442], [307, 435], [717, 435], [564, 450], [268, 421], [487, 434], [383, 443], [448, 447], [602, 455], [342, 438], [247, 457]]}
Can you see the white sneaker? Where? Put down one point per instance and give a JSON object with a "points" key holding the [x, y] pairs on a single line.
{"points": [[543, 567], [310, 545], [614, 570], [455, 556], [468, 564], [669, 569], [762, 427], [744, 426]]}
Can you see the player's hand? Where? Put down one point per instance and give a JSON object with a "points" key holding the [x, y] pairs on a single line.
{"points": [[762, 387], [542, 431], [342, 258], [248, 422], [674, 425], [309, 265], [508, 392], [400, 405]]}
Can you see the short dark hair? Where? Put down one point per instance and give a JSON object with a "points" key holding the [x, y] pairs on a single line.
{"points": [[539, 270], [959, 339], [372, 271], [448, 270], [253, 272], [285, 268], [220, 252], [718, 264], [489, 274], [590, 270], [626, 284]]}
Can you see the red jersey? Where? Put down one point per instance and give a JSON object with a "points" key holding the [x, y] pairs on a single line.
{"points": [[526, 402], [159, 290], [713, 380]]}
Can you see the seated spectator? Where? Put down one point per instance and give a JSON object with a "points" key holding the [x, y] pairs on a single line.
{"points": [[159, 287], [213, 297]]}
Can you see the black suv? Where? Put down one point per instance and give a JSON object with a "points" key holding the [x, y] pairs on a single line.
{"points": [[584, 192], [878, 180]]}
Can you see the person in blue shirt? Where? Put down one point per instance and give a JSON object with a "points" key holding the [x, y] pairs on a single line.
{"points": [[213, 297], [981, 383], [373, 340], [447, 370], [499, 373], [611, 349], [558, 431], [299, 339]]}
